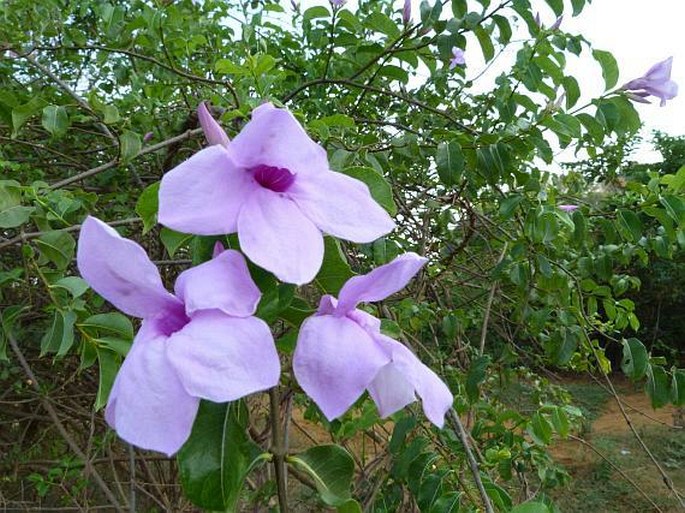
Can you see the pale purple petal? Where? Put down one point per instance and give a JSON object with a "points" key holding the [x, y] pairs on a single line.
{"points": [[223, 283], [656, 82], [213, 131], [277, 236], [223, 358], [335, 361], [568, 208], [371, 324], [379, 283], [406, 12], [204, 194], [557, 23], [661, 71], [218, 249], [120, 271], [391, 391], [341, 206], [457, 57], [274, 138], [148, 406], [435, 396]]}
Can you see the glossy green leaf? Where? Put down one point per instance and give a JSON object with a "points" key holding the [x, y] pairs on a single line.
{"points": [[173, 240], [635, 358], [55, 120], [218, 456], [12, 213], [609, 67], [475, 376], [130, 146], [658, 386], [112, 324], [449, 160], [75, 285], [331, 468], [335, 270], [630, 225], [108, 364], [148, 205], [378, 186], [57, 247]]}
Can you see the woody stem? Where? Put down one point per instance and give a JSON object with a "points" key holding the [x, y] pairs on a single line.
{"points": [[278, 450]]}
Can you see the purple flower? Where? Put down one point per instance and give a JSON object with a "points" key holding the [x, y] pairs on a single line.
{"points": [[537, 20], [341, 351], [213, 131], [200, 342], [338, 3], [568, 208], [406, 12], [148, 136], [457, 57], [271, 184], [557, 23], [656, 82]]}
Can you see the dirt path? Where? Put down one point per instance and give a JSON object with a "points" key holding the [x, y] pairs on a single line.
{"points": [[639, 409]]}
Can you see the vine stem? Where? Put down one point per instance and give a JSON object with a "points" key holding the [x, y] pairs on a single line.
{"points": [[473, 464], [278, 449]]}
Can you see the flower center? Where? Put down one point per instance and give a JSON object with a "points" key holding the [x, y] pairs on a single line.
{"points": [[277, 179], [173, 321]]}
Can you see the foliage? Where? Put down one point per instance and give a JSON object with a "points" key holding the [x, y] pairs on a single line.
{"points": [[98, 101]]}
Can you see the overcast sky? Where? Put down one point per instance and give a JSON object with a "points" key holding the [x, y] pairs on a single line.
{"points": [[638, 33]]}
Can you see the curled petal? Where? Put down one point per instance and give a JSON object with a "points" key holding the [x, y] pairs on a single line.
{"points": [[277, 236], [275, 138], [120, 271], [148, 406], [350, 213], [390, 389], [204, 194], [335, 360], [661, 71], [222, 283], [213, 131], [379, 283], [223, 358]]}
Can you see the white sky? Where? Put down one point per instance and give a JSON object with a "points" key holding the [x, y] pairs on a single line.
{"points": [[638, 33]]}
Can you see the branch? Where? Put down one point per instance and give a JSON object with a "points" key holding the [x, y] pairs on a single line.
{"points": [[73, 228], [617, 469], [278, 450], [113, 163], [90, 470], [473, 464]]}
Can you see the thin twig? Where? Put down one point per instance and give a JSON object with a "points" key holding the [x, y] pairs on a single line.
{"points": [[473, 464], [617, 469], [73, 228], [60, 427], [488, 306], [113, 163]]}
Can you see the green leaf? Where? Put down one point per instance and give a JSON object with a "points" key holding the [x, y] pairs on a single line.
{"points": [[218, 456], [108, 363], [486, 46], [350, 506], [331, 468], [475, 376], [530, 507], [557, 6], [22, 113], [609, 67], [112, 323], [12, 214], [380, 189], [318, 11], [382, 23], [635, 358], [658, 386], [130, 146], [335, 270], [173, 240], [60, 335], [449, 160], [58, 247], [540, 429], [55, 120], [630, 225], [148, 205], [560, 422], [110, 114], [75, 285]]}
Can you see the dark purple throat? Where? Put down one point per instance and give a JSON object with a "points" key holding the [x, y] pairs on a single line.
{"points": [[277, 179]]}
